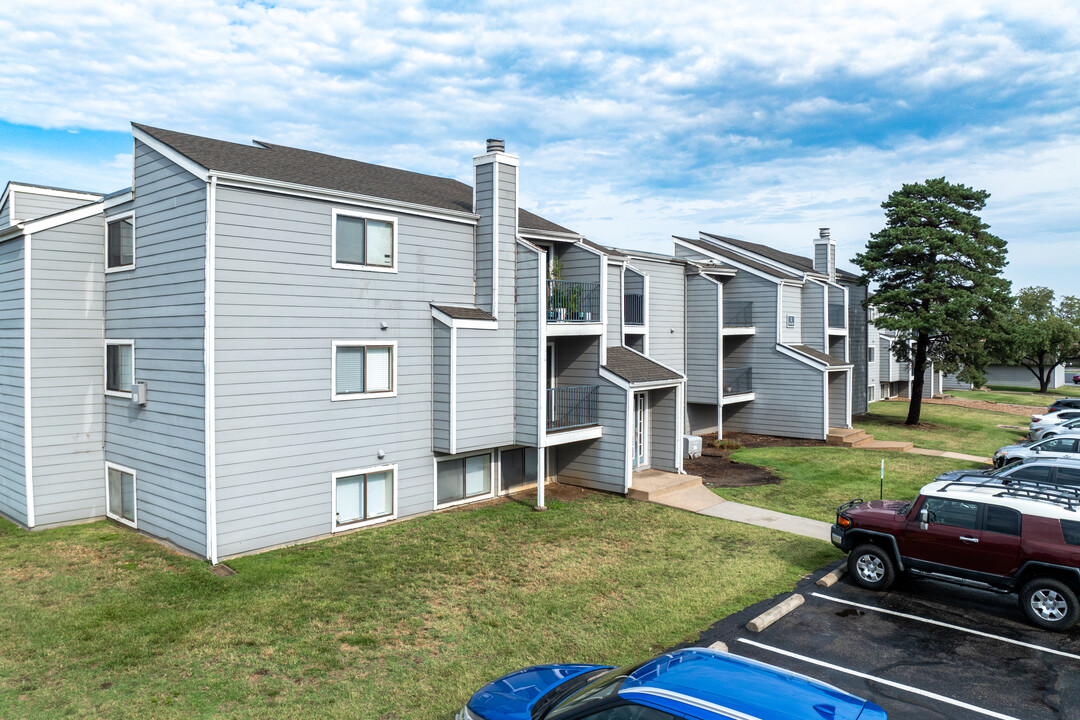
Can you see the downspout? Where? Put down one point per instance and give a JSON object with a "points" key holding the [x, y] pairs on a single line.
{"points": [[28, 427], [210, 427]]}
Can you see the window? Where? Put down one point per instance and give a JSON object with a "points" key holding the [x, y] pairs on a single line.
{"points": [[364, 242], [120, 244], [1067, 476], [363, 369], [870, 393], [1031, 473], [1071, 530], [362, 496], [953, 513], [463, 478], [120, 493], [1002, 520], [119, 367], [870, 353]]}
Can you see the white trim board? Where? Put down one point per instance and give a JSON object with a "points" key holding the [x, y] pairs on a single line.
{"points": [[28, 420], [209, 352]]}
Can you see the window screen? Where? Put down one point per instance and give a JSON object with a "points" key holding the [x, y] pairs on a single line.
{"points": [[122, 494], [119, 368], [121, 243], [1002, 520], [954, 513]]}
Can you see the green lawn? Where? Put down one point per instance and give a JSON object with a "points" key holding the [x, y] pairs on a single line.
{"points": [[404, 621], [943, 427], [817, 479], [1014, 397], [1067, 390]]}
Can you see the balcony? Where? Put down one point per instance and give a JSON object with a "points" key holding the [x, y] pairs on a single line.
{"points": [[837, 316], [633, 309], [572, 407], [573, 308], [738, 317], [738, 384]]}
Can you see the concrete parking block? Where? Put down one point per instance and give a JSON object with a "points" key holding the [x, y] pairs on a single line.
{"points": [[778, 611]]}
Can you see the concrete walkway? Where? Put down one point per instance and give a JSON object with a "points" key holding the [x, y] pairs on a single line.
{"points": [[947, 454]]}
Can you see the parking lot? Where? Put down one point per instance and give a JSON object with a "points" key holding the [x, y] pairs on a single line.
{"points": [[923, 650]]}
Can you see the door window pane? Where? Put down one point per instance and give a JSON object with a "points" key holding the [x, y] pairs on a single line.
{"points": [[380, 243], [350, 240], [379, 369], [953, 513], [122, 494]]}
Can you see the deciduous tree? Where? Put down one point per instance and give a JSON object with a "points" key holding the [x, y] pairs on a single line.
{"points": [[1040, 334], [937, 269]]}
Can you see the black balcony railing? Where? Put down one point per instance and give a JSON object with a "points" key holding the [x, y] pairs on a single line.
{"points": [[738, 380], [738, 313], [571, 301], [836, 315], [571, 407], [634, 309]]}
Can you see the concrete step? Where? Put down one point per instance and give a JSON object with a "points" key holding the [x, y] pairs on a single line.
{"points": [[847, 437], [651, 485]]}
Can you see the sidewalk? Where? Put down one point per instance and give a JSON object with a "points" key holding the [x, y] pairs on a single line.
{"points": [[947, 454]]}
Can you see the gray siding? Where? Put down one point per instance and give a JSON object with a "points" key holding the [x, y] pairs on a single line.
{"points": [[635, 342], [12, 390], [579, 264], [663, 410], [665, 312], [67, 317], [614, 305], [813, 316], [528, 361], [440, 387], [836, 346], [857, 341], [5, 213], [160, 305], [702, 341], [601, 463], [951, 382], [279, 307], [792, 299], [838, 399], [485, 203], [1021, 376], [30, 205], [485, 388], [702, 418]]}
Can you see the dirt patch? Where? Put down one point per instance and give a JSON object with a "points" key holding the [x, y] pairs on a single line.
{"points": [[985, 405], [718, 470]]}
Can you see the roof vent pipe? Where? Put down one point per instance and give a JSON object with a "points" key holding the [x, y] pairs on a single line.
{"points": [[823, 233], [496, 145]]}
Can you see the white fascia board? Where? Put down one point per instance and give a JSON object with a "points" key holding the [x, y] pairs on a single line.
{"points": [[614, 379], [728, 261], [804, 359], [339, 196], [549, 235], [463, 323], [120, 199], [524, 242], [795, 283], [656, 385], [594, 251], [628, 429], [62, 218], [755, 256], [171, 154], [49, 192]]}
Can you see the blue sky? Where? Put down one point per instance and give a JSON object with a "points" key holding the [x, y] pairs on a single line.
{"points": [[634, 121]]}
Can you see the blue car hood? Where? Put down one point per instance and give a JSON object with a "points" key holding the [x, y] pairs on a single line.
{"points": [[511, 696]]}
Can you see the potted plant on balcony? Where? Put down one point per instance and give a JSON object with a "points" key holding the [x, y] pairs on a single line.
{"points": [[555, 298]]}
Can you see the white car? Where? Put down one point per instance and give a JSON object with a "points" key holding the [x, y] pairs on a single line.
{"points": [[1052, 430], [1040, 422], [1060, 446]]}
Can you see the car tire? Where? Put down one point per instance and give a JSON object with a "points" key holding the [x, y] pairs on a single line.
{"points": [[871, 567], [1049, 603]]}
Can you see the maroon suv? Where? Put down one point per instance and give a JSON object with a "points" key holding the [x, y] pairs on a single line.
{"points": [[1021, 537]]}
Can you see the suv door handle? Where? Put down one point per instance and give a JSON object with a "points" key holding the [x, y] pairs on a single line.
{"points": [[969, 540]]}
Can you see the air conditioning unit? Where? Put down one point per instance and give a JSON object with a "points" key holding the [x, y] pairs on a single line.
{"points": [[138, 393], [691, 446]]}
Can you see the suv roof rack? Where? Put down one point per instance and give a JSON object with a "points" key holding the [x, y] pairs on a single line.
{"points": [[1060, 495]]}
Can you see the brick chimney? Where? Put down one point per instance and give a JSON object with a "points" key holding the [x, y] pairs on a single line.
{"points": [[825, 254], [495, 201]]}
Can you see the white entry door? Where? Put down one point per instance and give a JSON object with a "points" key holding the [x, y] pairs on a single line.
{"points": [[641, 431]]}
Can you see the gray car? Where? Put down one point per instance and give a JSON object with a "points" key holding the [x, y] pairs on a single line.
{"points": [[1052, 430], [1056, 471], [1063, 445]]}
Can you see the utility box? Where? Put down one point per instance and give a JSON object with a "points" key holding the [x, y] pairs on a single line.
{"points": [[691, 446], [138, 394]]}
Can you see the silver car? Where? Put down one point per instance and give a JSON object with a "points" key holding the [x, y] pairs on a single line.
{"points": [[1052, 430], [1062, 445], [1039, 422]]}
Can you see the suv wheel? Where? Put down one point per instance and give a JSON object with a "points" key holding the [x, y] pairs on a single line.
{"points": [[871, 567], [1049, 603]]}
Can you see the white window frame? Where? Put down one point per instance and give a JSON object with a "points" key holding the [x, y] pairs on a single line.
{"points": [[496, 477], [134, 243], [335, 344], [871, 354], [393, 268], [870, 392], [134, 491], [105, 372], [334, 477]]}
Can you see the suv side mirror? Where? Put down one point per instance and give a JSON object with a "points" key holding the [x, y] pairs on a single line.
{"points": [[924, 518]]}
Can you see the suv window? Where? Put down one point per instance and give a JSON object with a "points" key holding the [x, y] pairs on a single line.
{"points": [[1035, 473], [1002, 520], [953, 513], [1071, 530], [1062, 445], [1068, 476]]}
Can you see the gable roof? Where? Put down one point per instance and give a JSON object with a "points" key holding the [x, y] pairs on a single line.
{"points": [[797, 262], [314, 169], [464, 313], [820, 356], [635, 368], [737, 257]]}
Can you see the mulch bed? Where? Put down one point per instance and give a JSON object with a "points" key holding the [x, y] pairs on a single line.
{"points": [[718, 470]]}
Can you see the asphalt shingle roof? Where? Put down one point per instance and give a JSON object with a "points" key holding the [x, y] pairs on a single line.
{"points": [[820, 356], [736, 257], [315, 169], [635, 368], [463, 313]]}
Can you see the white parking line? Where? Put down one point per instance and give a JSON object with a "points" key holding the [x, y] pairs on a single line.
{"points": [[939, 623], [882, 681]]}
